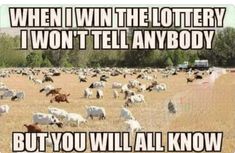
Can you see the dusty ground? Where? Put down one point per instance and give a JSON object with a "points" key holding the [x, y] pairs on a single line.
{"points": [[200, 107]]}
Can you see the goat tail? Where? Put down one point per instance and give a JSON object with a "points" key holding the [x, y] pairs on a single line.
{"points": [[26, 125], [13, 98], [51, 101]]}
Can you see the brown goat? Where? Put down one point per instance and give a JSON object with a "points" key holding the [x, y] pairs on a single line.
{"points": [[33, 128], [128, 93], [154, 83], [190, 80], [60, 98], [54, 92], [127, 103], [150, 87], [47, 79], [197, 76]]}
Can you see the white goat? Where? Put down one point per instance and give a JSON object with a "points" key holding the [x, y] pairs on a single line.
{"points": [[134, 83], [142, 88], [3, 88], [60, 113], [2, 84], [160, 87], [99, 94], [31, 77], [8, 94], [47, 88], [88, 93], [46, 119], [116, 85], [115, 94], [124, 88], [81, 76], [133, 125], [18, 96], [98, 84], [74, 119], [37, 81], [95, 111], [4, 109], [138, 98], [126, 114]]}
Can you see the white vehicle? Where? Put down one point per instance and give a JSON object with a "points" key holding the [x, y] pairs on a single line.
{"points": [[201, 64]]}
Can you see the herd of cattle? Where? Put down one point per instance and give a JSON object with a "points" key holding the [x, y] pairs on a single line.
{"points": [[133, 92]]}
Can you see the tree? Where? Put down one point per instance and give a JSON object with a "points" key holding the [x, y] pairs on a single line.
{"points": [[178, 57], [46, 63], [168, 62], [136, 58], [34, 59], [192, 57], [63, 61], [223, 49], [2, 64]]}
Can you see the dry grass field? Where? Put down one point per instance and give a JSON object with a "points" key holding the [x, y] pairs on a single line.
{"points": [[200, 107]]}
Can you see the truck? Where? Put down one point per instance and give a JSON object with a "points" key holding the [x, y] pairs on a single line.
{"points": [[201, 64], [184, 65]]}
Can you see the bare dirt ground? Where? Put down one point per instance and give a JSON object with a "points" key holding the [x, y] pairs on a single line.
{"points": [[200, 107]]}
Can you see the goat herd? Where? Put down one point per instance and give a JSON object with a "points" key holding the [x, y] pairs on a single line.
{"points": [[133, 92]]}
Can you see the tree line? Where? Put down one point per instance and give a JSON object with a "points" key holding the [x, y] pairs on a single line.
{"points": [[222, 54]]}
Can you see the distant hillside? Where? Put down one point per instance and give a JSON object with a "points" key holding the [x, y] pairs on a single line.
{"points": [[10, 31]]}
